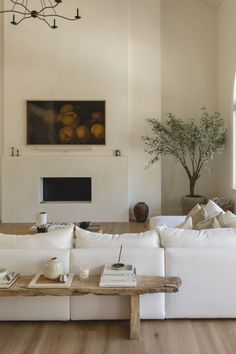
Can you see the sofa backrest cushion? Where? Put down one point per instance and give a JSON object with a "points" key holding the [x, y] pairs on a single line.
{"points": [[60, 239], [87, 239], [31, 261], [224, 237]]}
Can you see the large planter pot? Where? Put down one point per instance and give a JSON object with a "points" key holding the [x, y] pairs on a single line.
{"points": [[189, 202], [141, 211]]}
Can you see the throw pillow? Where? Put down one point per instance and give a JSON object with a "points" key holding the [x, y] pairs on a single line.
{"points": [[212, 209], [198, 214], [227, 219], [187, 224], [62, 239], [87, 239], [211, 223]]}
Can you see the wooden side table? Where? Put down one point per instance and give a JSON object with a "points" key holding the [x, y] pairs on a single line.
{"points": [[145, 285]]}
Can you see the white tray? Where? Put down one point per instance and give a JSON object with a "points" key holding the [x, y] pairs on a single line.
{"points": [[49, 284]]}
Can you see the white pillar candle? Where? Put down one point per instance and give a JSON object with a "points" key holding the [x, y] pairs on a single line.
{"points": [[41, 219], [84, 273]]}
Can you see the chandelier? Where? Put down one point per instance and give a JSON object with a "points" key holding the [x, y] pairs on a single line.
{"points": [[47, 12]]}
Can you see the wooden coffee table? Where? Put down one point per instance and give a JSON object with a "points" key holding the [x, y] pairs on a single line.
{"points": [[145, 285]]}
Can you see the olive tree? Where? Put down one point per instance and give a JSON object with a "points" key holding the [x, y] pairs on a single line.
{"points": [[193, 143]]}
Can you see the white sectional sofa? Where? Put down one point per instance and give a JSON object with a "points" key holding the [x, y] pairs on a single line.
{"points": [[207, 272], [146, 255]]}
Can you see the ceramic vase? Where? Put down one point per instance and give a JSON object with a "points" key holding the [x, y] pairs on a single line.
{"points": [[141, 211], [53, 268]]}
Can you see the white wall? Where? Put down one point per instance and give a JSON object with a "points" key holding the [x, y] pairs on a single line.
{"points": [[144, 99], [85, 60], [226, 75], [189, 70], [1, 97]]}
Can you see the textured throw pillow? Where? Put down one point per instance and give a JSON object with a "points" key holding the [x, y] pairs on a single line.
{"points": [[227, 219], [172, 237], [87, 239], [60, 239], [211, 223], [212, 209], [198, 214], [187, 224]]}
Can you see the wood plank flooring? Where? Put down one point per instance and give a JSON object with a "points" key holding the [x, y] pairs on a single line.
{"points": [[112, 337]]}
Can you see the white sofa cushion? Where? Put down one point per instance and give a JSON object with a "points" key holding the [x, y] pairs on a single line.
{"points": [[224, 237], [87, 239], [58, 239], [39, 308], [147, 262], [208, 287]]}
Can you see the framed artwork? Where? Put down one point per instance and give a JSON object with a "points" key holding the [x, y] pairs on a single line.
{"points": [[66, 123]]}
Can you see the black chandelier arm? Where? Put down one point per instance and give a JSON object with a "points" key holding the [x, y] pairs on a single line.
{"points": [[43, 19], [65, 18], [20, 4], [48, 7], [23, 18], [13, 11]]}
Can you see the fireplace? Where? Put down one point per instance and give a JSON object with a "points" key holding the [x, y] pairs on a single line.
{"points": [[66, 189]]}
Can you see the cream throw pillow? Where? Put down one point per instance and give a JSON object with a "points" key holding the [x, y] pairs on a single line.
{"points": [[212, 223], [198, 214], [212, 209], [227, 219], [186, 225]]}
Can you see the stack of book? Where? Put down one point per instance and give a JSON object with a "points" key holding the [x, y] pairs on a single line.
{"points": [[8, 279], [112, 278]]}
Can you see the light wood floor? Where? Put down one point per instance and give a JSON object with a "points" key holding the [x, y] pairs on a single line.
{"points": [[112, 337]]}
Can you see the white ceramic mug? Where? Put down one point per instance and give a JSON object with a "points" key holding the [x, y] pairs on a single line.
{"points": [[41, 218]]}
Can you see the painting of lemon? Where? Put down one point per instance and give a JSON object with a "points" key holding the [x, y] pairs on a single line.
{"points": [[67, 135], [98, 131], [83, 134], [66, 122]]}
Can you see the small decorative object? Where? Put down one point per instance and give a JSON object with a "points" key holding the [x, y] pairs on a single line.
{"points": [[84, 273], [63, 278], [23, 11], [84, 224], [141, 211], [118, 265], [17, 152], [192, 143], [41, 219], [3, 272], [12, 151], [66, 123], [42, 229], [53, 268], [117, 153]]}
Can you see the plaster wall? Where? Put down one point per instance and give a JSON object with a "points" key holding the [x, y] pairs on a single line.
{"points": [[189, 82]]}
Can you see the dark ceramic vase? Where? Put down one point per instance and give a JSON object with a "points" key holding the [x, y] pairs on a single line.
{"points": [[141, 211]]}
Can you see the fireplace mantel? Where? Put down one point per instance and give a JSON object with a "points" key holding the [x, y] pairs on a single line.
{"points": [[22, 188]]}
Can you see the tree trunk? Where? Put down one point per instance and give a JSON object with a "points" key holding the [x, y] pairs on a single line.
{"points": [[192, 183]]}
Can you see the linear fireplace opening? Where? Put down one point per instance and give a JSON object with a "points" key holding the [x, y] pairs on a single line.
{"points": [[67, 189]]}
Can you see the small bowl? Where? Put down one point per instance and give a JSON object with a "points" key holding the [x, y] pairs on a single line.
{"points": [[3, 272], [84, 224], [118, 266]]}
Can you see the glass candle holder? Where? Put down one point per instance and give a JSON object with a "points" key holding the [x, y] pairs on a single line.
{"points": [[84, 273]]}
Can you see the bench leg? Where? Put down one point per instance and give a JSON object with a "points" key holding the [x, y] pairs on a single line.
{"points": [[134, 317]]}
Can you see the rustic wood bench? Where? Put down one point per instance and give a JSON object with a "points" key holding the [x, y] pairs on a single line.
{"points": [[145, 285]]}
